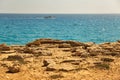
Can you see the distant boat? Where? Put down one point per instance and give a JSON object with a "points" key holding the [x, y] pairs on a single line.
{"points": [[49, 17]]}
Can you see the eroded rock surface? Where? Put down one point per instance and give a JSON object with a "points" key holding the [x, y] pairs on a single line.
{"points": [[45, 59]]}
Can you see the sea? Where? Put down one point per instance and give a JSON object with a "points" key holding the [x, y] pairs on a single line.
{"points": [[23, 28]]}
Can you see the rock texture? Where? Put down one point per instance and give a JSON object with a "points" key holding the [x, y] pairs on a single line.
{"points": [[4, 47], [14, 68], [49, 59]]}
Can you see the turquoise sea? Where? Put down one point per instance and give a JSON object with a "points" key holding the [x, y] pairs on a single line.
{"points": [[23, 28]]}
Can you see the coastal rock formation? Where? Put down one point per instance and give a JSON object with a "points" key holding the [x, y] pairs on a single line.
{"points": [[48, 59], [39, 42], [4, 47]]}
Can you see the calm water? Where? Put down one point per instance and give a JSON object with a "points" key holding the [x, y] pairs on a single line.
{"points": [[20, 29]]}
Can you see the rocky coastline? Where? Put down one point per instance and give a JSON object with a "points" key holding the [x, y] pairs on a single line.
{"points": [[49, 59]]}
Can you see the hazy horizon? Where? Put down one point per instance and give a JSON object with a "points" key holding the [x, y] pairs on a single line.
{"points": [[60, 6]]}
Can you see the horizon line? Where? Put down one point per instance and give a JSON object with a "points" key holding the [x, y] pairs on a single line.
{"points": [[59, 13]]}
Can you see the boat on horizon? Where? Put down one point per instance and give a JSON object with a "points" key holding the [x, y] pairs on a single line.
{"points": [[49, 17]]}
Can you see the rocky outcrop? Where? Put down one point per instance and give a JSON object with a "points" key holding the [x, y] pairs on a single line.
{"points": [[4, 47], [89, 48], [15, 68], [75, 44], [39, 42], [45, 59], [51, 65]]}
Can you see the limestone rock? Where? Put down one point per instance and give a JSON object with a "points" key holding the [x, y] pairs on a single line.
{"points": [[28, 50], [53, 41], [50, 41], [75, 44], [44, 41], [35, 43], [69, 60], [64, 45], [4, 47], [8, 52], [81, 53], [52, 67], [14, 68], [44, 53], [73, 50], [61, 67], [46, 62], [56, 76], [106, 46], [67, 68], [96, 49], [89, 44], [67, 50]]}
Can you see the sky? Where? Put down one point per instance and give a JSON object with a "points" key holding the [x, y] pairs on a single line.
{"points": [[60, 6]]}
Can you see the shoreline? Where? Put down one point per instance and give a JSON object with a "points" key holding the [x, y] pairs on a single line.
{"points": [[50, 59], [60, 40]]}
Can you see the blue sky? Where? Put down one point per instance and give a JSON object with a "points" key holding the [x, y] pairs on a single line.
{"points": [[59, 6]]}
